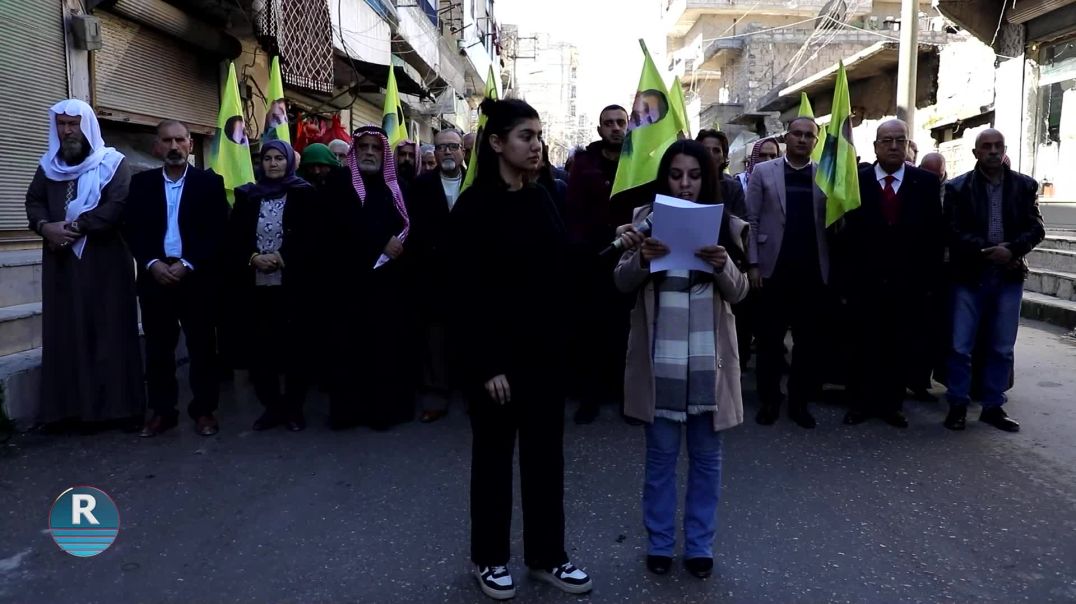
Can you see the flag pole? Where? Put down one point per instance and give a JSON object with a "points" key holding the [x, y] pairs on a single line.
{"points": [[906, 68]]}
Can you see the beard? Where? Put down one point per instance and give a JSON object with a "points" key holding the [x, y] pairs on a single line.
{"points": [[611, 146], [74, 149], [175, 159], [449, 165]]}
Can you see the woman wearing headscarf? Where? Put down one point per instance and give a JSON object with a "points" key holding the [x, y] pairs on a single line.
{"points": [[376, 361], [683, 374], [316, 163], [273, 260], [764, 150]]}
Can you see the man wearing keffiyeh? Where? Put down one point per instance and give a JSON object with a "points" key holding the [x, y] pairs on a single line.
{"points": [[367, 243]]}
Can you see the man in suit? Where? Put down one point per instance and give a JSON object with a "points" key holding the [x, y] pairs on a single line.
{"points": [[430, 201], [788, 264], [175, 224], [732, 194], [994, 222], [892, 249]]}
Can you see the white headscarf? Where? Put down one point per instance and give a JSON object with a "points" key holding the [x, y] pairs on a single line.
{"points": [[93, 174]]}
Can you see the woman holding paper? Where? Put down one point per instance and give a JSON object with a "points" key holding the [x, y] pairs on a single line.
{"points": [[683, 370]]}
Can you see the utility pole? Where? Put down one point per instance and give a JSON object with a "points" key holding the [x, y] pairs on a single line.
{"points": [[909, 56]]}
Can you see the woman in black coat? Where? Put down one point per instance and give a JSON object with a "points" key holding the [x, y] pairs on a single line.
{"points": [[272, 259]]}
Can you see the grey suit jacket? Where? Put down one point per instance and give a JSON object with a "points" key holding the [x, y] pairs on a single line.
{"points": [[766, 213]]}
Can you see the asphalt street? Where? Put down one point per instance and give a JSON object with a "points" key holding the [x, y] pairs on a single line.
{"points": [[866, 514]]}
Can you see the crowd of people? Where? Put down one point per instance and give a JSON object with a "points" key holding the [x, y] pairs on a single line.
{"points": [[375, 273]]}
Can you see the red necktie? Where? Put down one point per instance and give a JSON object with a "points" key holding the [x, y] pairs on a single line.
{"points": [[890, 203]]}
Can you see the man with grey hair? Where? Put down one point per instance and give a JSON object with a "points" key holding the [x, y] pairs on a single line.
{"points": [[91, 362], [994, 222], [431, 201], [892, 247], [340, 149]]}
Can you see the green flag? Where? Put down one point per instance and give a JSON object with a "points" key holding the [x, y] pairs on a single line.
{"points": [[805, 106], [230, 154], [679, 106], [807, 111], [652, 127], [472, 161], [276, 110], [838, 172], [392, 116]]}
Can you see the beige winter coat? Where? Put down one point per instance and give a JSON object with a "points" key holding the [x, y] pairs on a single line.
{"points": [[730, 286]]}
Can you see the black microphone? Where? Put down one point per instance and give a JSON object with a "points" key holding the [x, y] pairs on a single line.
{"points": [[643, 227]]}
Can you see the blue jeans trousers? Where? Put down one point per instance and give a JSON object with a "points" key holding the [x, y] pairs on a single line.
{"points": [[703, 486], [995, 305]]}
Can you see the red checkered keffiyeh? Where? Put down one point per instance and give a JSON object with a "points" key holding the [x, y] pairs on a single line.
{"points": [[388, 169]]}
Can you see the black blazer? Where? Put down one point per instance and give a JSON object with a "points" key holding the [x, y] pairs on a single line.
{"points": [[300, 249], [906, 257], [968, 213], [203, 218]]}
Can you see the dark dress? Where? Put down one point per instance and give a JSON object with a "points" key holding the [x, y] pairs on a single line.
{"points": [[509, 251], [91, 362], [373, 317], [274, 327]]}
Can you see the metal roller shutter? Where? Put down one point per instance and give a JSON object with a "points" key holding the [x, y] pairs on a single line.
{"points": [[33, 77], [143, 76], [364, 113]]}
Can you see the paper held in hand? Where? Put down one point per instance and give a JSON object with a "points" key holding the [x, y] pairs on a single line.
{"points": [[685, 227]]}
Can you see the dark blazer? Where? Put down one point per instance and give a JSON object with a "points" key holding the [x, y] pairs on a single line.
{"points": [[903, 257], [968, 213], [300, 248], [203, 218], [732, 195]]}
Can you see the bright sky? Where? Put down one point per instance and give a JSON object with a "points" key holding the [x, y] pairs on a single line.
{"points": [[606, 33]]}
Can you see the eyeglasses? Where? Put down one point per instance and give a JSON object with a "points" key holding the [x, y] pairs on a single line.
{"points": [[804, 135], [448, 147], [889, 141]]}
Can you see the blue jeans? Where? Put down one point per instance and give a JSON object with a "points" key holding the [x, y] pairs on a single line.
{"points": [[703, 486], [994, 304]]}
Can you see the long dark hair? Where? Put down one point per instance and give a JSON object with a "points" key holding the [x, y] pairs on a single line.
{"points": [[501, 117], [710, 193]]}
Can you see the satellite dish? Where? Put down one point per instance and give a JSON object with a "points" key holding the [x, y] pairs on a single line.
{"points": [[837, 10]]}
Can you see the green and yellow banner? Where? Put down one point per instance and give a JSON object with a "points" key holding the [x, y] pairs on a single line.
{"points": [[679, 106], [392, 116], [276, 109], [838, 170], [230, 154], [472, 161]]}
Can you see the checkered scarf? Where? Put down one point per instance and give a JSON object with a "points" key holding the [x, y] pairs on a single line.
{"points": [[388, 168], [685, 357]]}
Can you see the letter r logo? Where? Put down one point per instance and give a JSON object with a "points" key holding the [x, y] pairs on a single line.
{"points": [[82, 505]]}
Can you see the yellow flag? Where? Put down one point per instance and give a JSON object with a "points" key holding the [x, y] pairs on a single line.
{"points": [[652, 127], [679, 106], [392, 117], [472, 161], [276, 110], [838, 170], [807, 111], [230, 154]]}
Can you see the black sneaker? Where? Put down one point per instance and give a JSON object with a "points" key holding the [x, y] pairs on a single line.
{"points": [[495, 581], [566, 577]]}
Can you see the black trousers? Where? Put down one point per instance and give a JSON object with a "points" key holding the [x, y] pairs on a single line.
{"points": [[784, 305], [281, 346], [538, 417], [890, 338], [189, 305]]}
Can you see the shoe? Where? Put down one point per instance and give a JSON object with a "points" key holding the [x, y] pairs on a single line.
{"points": [[207, 425], [566, 577], [700, 567], [923, 396], [895, 419], [802, 417], [432, 416], [295, 423], [586, 414], [854, 418], [957, 418], [495, 581], [267, 421], [659, 565], [996, 416], [158, 424], [767, 415]]}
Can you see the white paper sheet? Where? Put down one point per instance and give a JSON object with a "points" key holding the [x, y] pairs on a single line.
{"points": [[685, 227]]}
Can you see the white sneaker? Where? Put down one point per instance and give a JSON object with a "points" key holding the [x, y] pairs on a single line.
{"points": [[495, 581], [566, 577]]}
